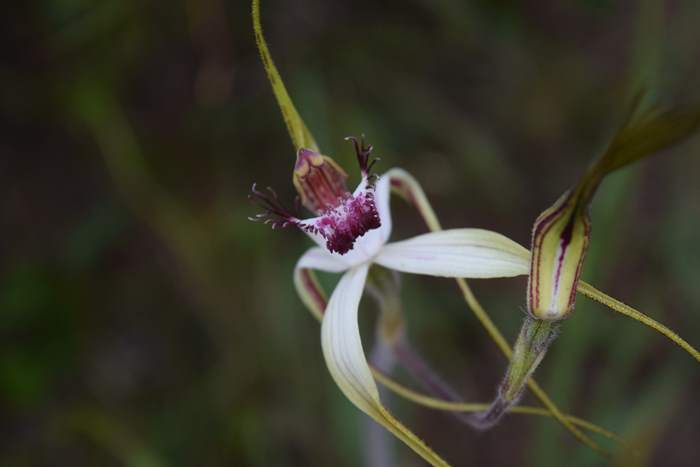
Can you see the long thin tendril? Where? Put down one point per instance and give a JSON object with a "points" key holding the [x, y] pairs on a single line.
{"points": [[440, 404], [591, 292], [300, 134]]}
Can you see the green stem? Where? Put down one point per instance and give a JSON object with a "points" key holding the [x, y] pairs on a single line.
{"points": [[533, 341]]}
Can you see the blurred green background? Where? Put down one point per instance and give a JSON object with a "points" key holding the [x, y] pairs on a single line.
{"points": [[144, 321]]}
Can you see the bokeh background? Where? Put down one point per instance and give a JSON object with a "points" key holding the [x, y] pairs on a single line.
{"points": [[144, 321]]}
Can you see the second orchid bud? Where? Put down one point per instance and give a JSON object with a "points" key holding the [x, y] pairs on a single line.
{"points": [[559, 243]]}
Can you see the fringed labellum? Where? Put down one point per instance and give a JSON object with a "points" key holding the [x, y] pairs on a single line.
{"points": [[341, 217]]}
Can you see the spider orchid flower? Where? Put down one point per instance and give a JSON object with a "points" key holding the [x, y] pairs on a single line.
{"points": [[352, 232]]}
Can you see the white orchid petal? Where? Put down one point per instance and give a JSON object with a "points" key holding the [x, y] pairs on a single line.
{"points": [[345, 358], [342, 346], [406, 186], [310, 292], [469, 253], [305, 281], [382, 193], [321, 259]]}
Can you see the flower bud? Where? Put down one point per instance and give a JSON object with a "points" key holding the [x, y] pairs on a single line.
{"points": [[559, 243], [319, 181]]}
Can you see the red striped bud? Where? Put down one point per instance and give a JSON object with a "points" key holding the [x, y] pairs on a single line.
{"points": [[559, 243]]}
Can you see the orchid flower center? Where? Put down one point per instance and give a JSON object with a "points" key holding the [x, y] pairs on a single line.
{"points": [[341, 217]]}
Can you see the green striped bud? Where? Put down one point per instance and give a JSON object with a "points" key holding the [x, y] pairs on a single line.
{"points": [[559, 243], [561, 233]]}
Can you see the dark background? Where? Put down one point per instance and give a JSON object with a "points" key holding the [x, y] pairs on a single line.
{"points": [[144, 321]]}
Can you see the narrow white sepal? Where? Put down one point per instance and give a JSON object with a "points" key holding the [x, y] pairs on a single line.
{"points": [[382, 194], [322, 260], [468, 253], [342, 346]]}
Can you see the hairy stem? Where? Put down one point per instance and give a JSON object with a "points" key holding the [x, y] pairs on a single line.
{"points": [[533, 341], [594, 294]]}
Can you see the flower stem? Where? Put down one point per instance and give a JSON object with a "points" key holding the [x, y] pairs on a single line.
{"points": [[377, 441], [533, 341], [594, 294], [536, 389]]}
